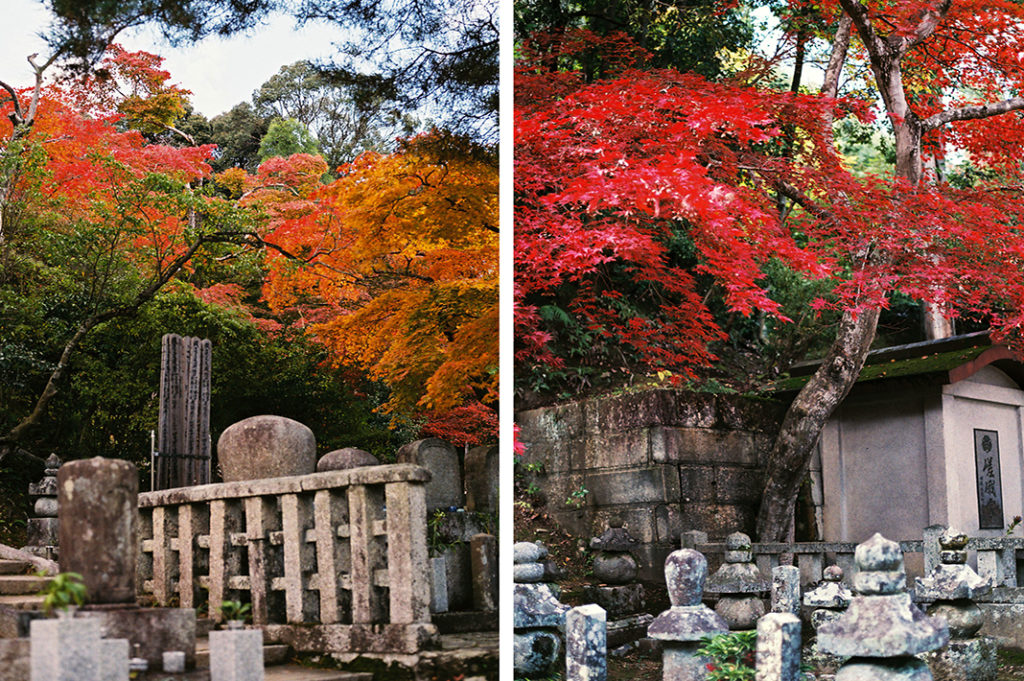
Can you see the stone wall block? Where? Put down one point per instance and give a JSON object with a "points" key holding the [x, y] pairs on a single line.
{"points": [[551, 424], [697, 483], [618, 449], [718, 520], [734, 485], [656, 484], [740, 413], [704, 446]]}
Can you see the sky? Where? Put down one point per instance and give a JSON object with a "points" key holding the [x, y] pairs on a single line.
{"points": [[220, 72]]}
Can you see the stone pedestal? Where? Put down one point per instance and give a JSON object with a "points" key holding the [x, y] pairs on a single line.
{"points": [[98, 500], [882, 629], [739, 585], [683, 626], [149, 631]]}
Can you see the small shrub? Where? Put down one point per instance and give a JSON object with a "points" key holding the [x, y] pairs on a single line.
{"points": [[732, 656]]}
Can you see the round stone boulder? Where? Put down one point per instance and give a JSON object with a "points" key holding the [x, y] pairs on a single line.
{"points": [[266, 447], [344, 459]]}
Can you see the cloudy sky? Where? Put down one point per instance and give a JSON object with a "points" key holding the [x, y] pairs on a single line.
{"points": [[219, 72]]}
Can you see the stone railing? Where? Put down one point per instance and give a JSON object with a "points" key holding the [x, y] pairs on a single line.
{"points": [[996, 556], [331, 561]]}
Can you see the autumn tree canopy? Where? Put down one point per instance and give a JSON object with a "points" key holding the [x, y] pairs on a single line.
{"points": [[636, 186]]}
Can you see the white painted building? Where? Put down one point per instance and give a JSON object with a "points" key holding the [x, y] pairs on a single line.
{"points": [[929, 430]]}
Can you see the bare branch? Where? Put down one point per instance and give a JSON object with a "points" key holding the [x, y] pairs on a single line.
{"points": [[929, 21], [968, 113]]}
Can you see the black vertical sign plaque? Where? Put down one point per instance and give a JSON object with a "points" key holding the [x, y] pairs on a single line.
{"points": [[990, 488]]}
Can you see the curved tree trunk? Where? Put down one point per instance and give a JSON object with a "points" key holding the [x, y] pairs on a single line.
{"points": [[814, 404]]}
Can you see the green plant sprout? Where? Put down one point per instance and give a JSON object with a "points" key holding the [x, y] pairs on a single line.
{"points": [[63, 591], [236, 610], [577, 498]]}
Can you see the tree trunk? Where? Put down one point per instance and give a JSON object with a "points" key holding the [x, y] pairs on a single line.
{"points": [[814, 404]]}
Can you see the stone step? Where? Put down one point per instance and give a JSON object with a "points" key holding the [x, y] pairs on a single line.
{"points": [[14, 567], [22, 602], [17, 585], [273, 653], [293, 672]]}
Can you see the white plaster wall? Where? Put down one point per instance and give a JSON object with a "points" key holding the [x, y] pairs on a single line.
{"points": [[874, 469], [989, 400], [897, 460]]}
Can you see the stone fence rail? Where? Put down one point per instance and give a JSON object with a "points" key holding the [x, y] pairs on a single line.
{"points": [[330, 561], [997, 557]]}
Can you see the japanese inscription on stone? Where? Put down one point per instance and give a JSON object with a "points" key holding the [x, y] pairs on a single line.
{"points": [[990, 490]]}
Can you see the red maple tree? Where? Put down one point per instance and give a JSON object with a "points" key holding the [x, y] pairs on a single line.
{"points": [[609, 171]]}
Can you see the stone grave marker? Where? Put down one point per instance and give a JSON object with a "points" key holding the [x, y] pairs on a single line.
{"points": [[444, 491]]}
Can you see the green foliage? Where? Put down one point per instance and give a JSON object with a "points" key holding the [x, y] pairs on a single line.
{"points": [[732, 656], [236, 610], [63, 591], [286, 137], [578, 497]]}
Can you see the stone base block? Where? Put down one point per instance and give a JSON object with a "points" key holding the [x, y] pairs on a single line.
{"points": [[967, 660], [113, 659], [892, 669], [354, 638], [616, 600], [64, 649], [14, 659], [1005, 623], [680, 662], [153, 630], [536, 653], [628, 629], [236, 655], [461, 622]]}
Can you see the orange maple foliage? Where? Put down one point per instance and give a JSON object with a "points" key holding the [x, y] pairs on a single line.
{"points": [[395, 264]]}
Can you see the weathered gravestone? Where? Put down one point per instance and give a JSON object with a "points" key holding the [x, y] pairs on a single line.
{"points": [[43, 534], [482, 479], [266, 447], [537, 616], [586, 644], [99, 532], [778, 648], [739, 585], [882, 630], [444, 491], [183, 440], [683, 626], [621, 596], [98, 501], [345, 459], [951, 588]]}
